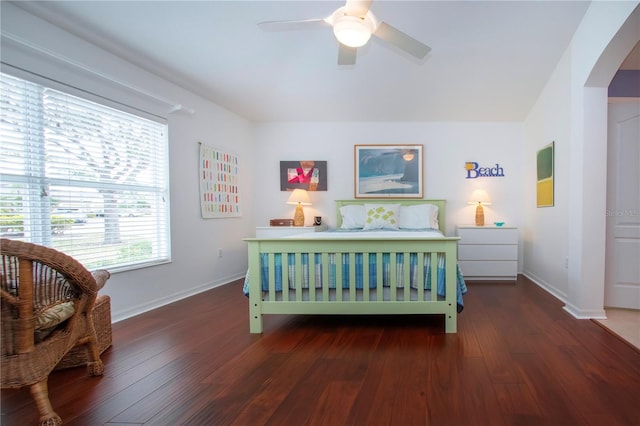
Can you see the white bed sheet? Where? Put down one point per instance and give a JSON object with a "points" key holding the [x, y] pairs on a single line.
{"points": [[351, 235]]}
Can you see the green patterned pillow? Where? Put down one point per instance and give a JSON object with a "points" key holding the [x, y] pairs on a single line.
{"points": [[381, 216], [47, 321]]}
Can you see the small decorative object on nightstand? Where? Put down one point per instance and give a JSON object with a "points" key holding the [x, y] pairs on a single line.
{"points": [[488, 252], [480, 198], [301, 198]]}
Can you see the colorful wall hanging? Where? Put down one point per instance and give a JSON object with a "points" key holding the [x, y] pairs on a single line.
{"points": [[219, 188]]}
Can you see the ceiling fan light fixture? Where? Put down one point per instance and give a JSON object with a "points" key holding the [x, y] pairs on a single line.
{"points": [[353, 25], [351, 31]]}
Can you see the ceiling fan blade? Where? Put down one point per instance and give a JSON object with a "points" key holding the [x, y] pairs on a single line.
{"points": [[357, 8], [303, 24], [399, 39], [346, 55]]}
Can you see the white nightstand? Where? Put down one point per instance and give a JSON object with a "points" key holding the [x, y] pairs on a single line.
{"points": [[488, 252], [283, 231]]}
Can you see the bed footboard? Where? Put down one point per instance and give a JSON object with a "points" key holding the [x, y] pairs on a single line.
{"points": [[367, 276]]}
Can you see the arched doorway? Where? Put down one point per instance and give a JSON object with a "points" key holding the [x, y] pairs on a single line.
{"points": [[620, 267]]}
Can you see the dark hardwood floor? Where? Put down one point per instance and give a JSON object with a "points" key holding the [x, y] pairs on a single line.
{"points": [[518, 359]]}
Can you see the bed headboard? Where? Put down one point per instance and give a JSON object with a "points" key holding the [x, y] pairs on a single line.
{"points": [[405, 202]]}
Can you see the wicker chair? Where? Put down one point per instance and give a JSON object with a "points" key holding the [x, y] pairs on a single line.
{"points": [[35, 281]]}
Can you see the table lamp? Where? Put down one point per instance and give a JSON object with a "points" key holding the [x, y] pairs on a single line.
{"points": [[299, 197], [480, 198]]}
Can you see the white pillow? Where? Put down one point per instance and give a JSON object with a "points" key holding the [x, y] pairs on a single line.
{"points": [[352, 216], [381, 216], [419, 216]]}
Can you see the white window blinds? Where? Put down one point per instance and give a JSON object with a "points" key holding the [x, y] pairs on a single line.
{"points": [[86, 179]]}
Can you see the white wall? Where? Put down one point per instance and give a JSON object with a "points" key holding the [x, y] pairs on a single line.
{"points": [[447, 146], [545, 230], [572, 111], [36, 45]]}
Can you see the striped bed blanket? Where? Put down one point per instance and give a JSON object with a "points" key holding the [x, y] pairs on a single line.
{"points": [[359, 266]]}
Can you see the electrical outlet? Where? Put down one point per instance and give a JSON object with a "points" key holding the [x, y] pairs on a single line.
{"points": [[219, 252], [566, 263]]}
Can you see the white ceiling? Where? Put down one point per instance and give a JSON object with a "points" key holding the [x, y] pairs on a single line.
{"points": [[489, 59]]}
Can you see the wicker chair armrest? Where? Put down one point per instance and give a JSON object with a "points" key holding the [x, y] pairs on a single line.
{"points": [[101, 276]]}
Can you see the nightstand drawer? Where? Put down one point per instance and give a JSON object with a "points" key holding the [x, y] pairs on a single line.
{"points": [[491, 235], [489, 269], [488, 252]]}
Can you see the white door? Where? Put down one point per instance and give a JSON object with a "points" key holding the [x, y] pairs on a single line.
{"points": [[622, 267]]}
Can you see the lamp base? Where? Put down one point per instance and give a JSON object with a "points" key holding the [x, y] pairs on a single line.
{"points": [[479, 215], [298, 217]]}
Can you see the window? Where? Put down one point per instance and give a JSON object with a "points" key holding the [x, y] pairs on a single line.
{"points": [[83, 178]]}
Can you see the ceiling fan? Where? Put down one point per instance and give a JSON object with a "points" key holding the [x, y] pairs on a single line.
{"points": [[353, 24]]}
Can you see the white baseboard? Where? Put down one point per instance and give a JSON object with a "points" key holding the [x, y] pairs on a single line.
{"points": [[585, 313], [546, 286], [157, 303], [571, 309]]}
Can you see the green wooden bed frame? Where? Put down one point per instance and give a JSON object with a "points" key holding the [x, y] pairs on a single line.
{"points": [[272, 302]]}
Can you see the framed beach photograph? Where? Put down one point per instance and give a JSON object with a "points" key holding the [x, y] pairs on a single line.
{"points": [[388, 171]]}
